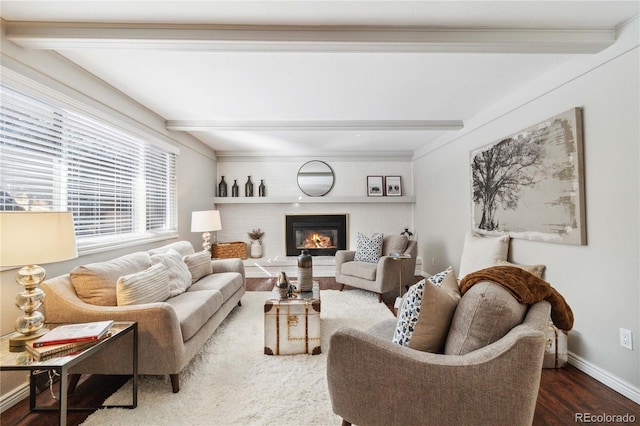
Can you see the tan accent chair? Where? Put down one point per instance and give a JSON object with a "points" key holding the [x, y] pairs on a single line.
{"points": [[381, 277], [480, 379]]}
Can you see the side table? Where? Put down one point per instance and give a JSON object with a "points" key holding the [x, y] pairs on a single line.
{"points": [[400, 258], [23, 361]]}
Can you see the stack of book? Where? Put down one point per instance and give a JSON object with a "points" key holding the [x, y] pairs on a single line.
{"points": [[68, 339]]}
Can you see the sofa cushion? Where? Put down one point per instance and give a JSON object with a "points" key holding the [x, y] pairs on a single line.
{"points": [[369, 249], [486, 313], [194, 309], [199, 265], [481, 252], [364, 270], [95, 283], [393, 244], [425, 317], [179, 275], [536, 270], [227, 283], [148, 286], [183, 247]]}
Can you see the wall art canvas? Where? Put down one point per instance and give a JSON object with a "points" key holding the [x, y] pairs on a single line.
{"points": [[530, 185]]}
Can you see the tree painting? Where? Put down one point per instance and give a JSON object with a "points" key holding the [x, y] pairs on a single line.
{"points": [[500, 172], [530, 184]]}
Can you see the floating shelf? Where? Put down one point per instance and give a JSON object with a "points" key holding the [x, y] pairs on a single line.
{"points": [[312, 200]]}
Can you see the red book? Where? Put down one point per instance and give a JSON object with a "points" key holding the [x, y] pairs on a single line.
{"points": [[72, 333]]}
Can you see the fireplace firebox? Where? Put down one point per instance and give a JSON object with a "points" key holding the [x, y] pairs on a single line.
{"points": [[320, 234]]}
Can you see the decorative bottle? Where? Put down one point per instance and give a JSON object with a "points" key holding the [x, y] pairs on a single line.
{"points": [[262, 189], [248, 187], [282, 284], [234, 188], [222, 188], [305, 271]]}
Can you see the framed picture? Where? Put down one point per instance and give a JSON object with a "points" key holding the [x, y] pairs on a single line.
{"points": [[530, 184], [393, 185], [375, 186]]}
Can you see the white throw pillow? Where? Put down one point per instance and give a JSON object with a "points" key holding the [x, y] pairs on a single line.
{"points": [[179, 275], [482, 252], [148, 286], [199, 265], [369, 249]]}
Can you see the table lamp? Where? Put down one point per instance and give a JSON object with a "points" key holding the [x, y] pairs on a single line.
{"points": [[205, 221], [29, 238]]}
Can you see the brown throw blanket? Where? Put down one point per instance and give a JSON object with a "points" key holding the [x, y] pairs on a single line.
{"points": [[526, 288]]}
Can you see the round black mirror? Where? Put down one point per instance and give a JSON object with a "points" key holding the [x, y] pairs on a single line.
{"points": [[315, 178]]}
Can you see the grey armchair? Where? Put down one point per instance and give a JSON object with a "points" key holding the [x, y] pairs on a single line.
{"points": [[381, 277], [373, 381]]}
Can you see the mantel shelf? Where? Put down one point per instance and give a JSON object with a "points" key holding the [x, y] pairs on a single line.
{"points": [[311, 200]]}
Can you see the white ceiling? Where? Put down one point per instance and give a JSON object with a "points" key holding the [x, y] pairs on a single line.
{"points": [[363, 72]]}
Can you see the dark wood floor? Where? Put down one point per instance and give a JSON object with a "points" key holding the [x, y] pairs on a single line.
{"points": [[564, 393]]}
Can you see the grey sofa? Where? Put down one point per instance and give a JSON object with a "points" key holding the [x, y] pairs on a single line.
{"points": [[383, 276], [170, 332], [489, 373]]}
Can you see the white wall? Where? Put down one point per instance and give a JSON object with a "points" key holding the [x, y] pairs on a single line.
{"points": [[600, 280], [196, 167], [280, 174]]}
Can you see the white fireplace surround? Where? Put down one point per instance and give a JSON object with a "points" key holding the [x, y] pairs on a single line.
{"points": [[367, 215]]}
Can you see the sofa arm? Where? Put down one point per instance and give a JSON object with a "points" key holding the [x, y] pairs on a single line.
{"points": [[410, 387], [229, 265], [157, 322]]}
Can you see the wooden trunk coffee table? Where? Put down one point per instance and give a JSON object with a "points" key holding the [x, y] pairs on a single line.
{"points": [[292, 325]]}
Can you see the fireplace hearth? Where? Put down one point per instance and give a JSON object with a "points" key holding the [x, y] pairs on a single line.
{"points": [[320, 234]]}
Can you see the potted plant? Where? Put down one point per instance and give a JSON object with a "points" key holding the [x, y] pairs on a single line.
{"points": [[256, 242]]}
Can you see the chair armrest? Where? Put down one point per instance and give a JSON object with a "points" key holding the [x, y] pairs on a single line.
{"points": [[343, 256], [410, 387]]}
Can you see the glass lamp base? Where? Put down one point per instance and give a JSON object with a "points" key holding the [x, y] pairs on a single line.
{"points": [[18, 340]]}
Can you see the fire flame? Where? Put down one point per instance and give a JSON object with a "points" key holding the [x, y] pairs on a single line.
{"points": [[316, 240]]}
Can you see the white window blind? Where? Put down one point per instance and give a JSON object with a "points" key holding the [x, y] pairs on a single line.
{"points": [[118, 186]]}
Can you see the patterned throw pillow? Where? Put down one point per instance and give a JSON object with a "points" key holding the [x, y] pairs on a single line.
{"points": [[148, 286], [369, 249], [199, 265], [179, 275], [425, 316], [439, 277]]}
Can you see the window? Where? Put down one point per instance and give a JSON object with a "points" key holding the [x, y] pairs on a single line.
{"points": [[118, 186]]}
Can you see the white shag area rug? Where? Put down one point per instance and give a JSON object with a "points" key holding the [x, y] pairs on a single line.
{"points": [[232, 382]]}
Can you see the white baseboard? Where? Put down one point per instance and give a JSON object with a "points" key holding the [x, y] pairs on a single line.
{"points": [[15, 396], [620, 386]]}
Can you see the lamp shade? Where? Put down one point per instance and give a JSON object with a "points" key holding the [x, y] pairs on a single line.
{"points": [[29, 238], [207, 220]]}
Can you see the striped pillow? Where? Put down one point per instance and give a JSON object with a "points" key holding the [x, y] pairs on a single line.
{"points": [[148, 286], [199, 265]]}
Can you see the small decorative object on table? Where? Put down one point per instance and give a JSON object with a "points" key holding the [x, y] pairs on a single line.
{"points": [[248, 187], [305, 271], [235, 188], [282, 284], [408, 233], [222, 188]]}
